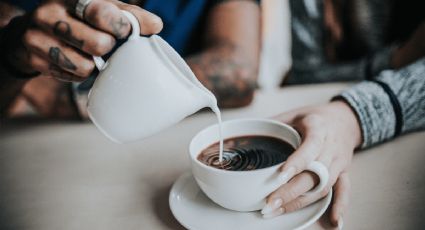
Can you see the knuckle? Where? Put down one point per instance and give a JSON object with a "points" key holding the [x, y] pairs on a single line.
{"points": [[288, 195], [98, 11], [28, 38], [95, 16], [102, 45], [297, 204], [293, 206], [38, 15], [86, 68], [157, 25], [42, 14]]}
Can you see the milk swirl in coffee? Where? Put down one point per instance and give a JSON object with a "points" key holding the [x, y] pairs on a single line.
{"points": [[247, 153]]}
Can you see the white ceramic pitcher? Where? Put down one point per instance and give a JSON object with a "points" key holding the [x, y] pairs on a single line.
{"points": [[143, 88]]}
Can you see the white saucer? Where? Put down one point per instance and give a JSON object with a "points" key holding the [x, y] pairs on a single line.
{"points": [[196, 211]]}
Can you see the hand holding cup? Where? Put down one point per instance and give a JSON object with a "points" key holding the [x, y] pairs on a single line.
{"points": [[330, 134]]}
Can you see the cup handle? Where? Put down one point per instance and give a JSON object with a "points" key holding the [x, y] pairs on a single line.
{"points": [[98, 61], [321, 171]]}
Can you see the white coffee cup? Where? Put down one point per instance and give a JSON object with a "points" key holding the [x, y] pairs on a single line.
{"points": [[143, 88], [245, 190]]}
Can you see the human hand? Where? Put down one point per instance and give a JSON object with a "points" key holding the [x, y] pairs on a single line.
{"points": [[53, 41], [330, 134]]}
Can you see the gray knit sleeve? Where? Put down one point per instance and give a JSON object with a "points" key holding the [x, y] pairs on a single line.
{"points": [[375, 110]]}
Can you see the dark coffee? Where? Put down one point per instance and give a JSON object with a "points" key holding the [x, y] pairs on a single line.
{"points": [[247, 153]]}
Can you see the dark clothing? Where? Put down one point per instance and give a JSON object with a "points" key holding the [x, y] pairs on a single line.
{"points": [[371, 102]]}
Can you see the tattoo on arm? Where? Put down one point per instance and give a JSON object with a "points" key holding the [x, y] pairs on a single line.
{"points": [[59, 58], [225, 70], [63, 30]]}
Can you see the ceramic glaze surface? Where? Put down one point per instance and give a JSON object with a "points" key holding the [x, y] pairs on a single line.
{"points": [[246, 190], [144, 88]]}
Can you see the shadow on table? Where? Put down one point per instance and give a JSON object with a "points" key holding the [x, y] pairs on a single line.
{"points": [[21, 123], [162, 209]]}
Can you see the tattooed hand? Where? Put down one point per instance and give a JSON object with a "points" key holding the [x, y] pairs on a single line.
{"points": [[52, 40]]}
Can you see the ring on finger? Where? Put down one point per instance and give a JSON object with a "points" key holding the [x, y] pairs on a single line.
{"points": [[80, 7], [322, 172]]}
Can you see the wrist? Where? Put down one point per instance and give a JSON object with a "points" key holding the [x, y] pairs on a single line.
{"points": [[350, 122]]}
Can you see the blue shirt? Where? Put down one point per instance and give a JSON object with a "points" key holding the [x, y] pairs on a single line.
{"points": [[183, 20]]}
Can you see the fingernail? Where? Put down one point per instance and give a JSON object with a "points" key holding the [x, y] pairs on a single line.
{"points": [[272, 206], [340, 223], [286, 175], [277, 212]]}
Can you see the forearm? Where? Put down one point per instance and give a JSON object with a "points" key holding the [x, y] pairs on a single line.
{"points": [[375, 110], [230, 78], [228, 64]]}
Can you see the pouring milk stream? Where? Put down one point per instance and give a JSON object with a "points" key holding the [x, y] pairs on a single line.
{"points": [[145, 87]]}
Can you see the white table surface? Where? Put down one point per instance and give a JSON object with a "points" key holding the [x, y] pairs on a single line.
{"points": [[66, 175]]}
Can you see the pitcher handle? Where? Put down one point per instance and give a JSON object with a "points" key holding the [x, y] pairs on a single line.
{"points": [[98, 61]]}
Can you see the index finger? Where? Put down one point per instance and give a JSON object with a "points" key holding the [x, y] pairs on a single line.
{"points": [[310, 148]]}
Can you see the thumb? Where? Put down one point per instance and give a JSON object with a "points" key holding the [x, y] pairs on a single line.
{"points": [[149, 22]]}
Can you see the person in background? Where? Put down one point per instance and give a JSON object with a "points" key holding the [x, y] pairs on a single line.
{"points": [[377, 42], [219, 39]]}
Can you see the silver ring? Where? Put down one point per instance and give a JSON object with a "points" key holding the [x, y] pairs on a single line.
{"points": [[81, 7]]}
